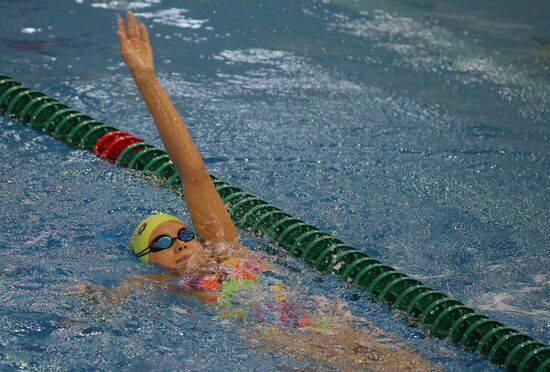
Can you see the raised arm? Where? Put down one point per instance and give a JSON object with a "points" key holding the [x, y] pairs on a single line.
{"points": [[210, 218]]}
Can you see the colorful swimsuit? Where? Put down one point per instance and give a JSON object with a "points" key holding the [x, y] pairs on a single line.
{"points": [[242, 294]]}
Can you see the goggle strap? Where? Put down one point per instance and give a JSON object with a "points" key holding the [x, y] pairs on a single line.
{"points": [[143, 252]]}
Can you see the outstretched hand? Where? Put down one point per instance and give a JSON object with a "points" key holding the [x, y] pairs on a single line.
{"points": [[135, 47]]}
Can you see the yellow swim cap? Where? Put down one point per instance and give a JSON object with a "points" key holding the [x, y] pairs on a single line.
{"points": [[139, 240]]}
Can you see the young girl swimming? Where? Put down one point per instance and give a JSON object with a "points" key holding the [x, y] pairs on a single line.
{"points": [[213, 266]]}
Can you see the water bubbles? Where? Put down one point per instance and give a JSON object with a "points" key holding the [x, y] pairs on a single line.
{"points": [[278, 72], [174, 17], [124, 4], [30, 30]]}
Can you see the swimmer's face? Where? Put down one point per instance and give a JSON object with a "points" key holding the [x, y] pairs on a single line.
{"points": [[178, 254]]}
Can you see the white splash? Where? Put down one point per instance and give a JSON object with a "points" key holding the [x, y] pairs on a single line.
{"points": [[30, 30], [173, 17], [279, 71], [124, 4]]}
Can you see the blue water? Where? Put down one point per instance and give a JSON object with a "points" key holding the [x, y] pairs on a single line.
{"points": [[417, 131]]}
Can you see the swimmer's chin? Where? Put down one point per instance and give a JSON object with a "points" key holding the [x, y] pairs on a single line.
{"points": [[197, 258], [199, 262], [181, 263]]}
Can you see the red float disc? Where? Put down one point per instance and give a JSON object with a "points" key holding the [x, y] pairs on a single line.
{"points": [[115, 147], [103, 141]]}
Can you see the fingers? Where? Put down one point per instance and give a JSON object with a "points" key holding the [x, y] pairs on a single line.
{"points": [[133, 30], [122, 38], [121, 32], [120, 27], [144, 34]]}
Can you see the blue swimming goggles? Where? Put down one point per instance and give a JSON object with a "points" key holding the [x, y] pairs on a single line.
{"points": [[162, 242]]}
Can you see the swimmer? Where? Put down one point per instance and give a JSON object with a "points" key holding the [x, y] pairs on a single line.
{"points": [[211, 264], [163, 239]]}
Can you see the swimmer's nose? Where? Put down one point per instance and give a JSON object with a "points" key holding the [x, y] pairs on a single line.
{"points": [[179, 248]]}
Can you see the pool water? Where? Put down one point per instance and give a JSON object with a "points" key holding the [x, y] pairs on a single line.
{"points": [[415, 130]]}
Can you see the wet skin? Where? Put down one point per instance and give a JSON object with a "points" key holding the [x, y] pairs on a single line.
{"points": [[178, 254]]}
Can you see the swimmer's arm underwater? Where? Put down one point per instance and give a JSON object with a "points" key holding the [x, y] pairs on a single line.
{"points": [[210, 218]]}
